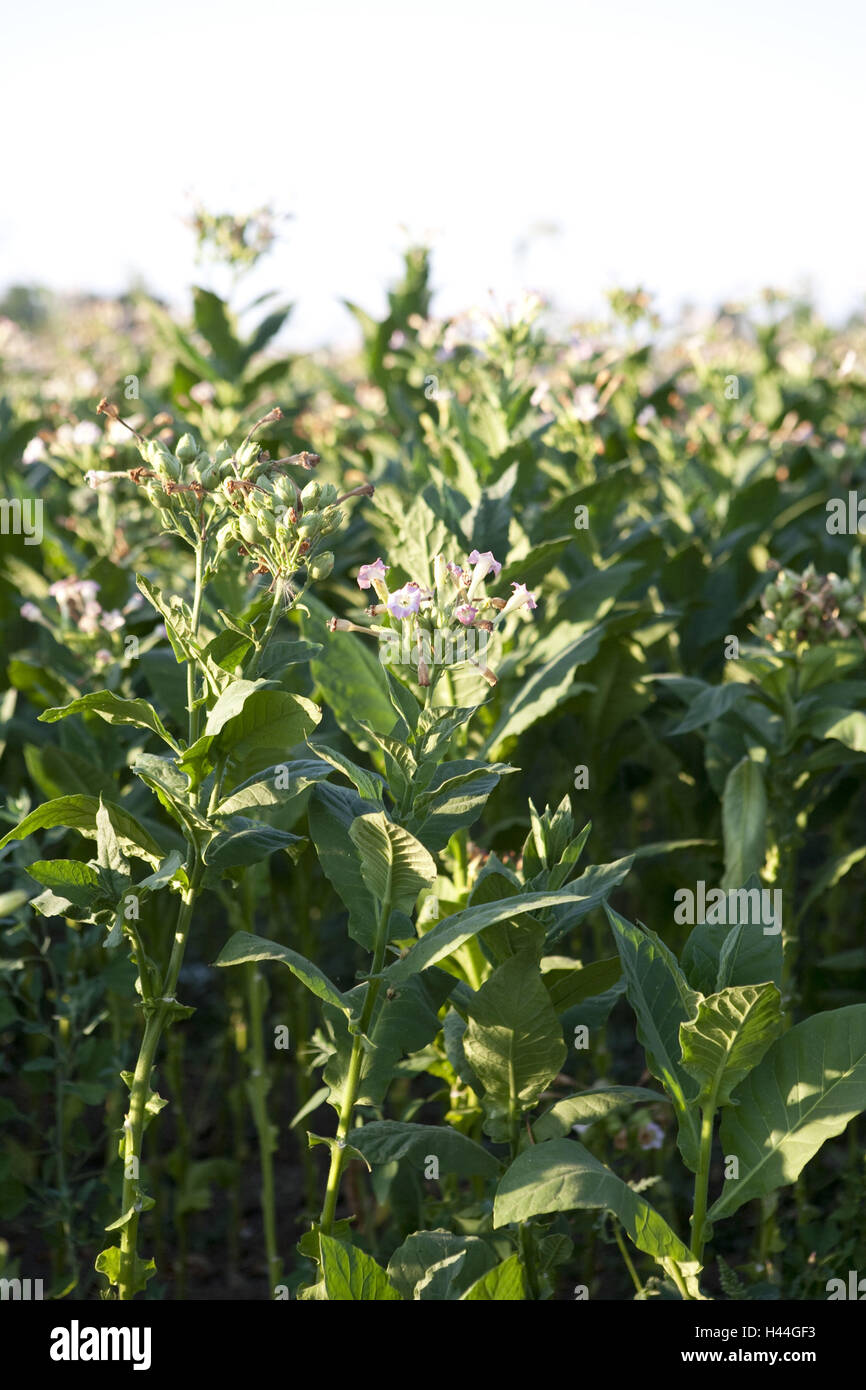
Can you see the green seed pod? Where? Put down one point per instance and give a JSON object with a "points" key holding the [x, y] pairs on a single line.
{"points": [[321, 567], [327, 495], [187, 449], [162, 459], [248, 529], [266, 524], [284, 488], [310, 525], [223, 453], [247, 453], [226, 536], [209, 476], [331, 520], [310, 495]]}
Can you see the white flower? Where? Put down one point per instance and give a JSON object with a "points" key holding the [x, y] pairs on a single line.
{"points": [[30, 613], [586, 406], [86, 434], [34, 451], [202, 393], [113, 620], [648, 413]]}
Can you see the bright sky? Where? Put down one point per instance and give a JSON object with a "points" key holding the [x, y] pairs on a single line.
{"points": [[701, 149]]}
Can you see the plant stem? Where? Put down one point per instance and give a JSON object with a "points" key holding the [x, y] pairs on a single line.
{"points": [[273, 619], [623, 1250], [353, 1079], [195, 714], [140, 1090], [702, 1181]]}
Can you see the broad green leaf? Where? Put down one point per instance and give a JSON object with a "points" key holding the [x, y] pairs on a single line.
{"points": [[115, 710], [350, 1276], [564, 1176], [661, 998], [369, 785], [569, 983], [243, 946], [331, 812], [274, 787], [728, 1037], [420, 1251], [744, 821], [804, 1091], [586, 1107], [389, 1141], [711, 704], [451, 932], [245, 842], [394, 865], [79, 813], [77, 882], [504, 1284], [846, 726], [543, 690], [513, 1041]]}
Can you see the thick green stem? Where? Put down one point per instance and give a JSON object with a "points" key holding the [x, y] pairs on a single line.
{"points": [[353, 1079], [273, 619], [702, 1181]]}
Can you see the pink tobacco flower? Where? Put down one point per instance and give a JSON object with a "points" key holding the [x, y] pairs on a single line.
{"points": [[404, 602], [367, 574], [483, 562], [465, 614], [650, 1136], [520, 598]]}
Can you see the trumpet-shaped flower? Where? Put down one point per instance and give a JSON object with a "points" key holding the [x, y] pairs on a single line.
{"points": [[406, 601]]}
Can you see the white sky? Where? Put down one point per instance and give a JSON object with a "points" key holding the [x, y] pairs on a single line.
{"points": [[702, 149]]}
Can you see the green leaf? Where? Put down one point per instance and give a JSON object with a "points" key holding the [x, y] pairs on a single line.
{"points": [[661, 998], [585, 1107], [424, 1249], [368, 784], [504, 1284], [451, 932], [78, 883], [331, 812], [744, 821], [245, 842], [513, 1041], [243, 946], [711, 704], [394, 865], [728, 1037], [548, 686], [79, 813], [350, 1276], [274, 787], [389, 1141], [108, 1262], [569, 983], [564, 1176], [115, 710], [804, 1091], [844, 725]]}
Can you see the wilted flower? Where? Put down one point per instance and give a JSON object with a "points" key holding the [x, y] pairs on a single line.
{"points": [[94, 477]]}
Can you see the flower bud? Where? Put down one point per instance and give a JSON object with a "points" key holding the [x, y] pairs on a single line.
{"points": [[226, 535], [310, 494], [187, 449], [162, 459], [266, 524], [223, 453], [248, 529], [310, 525], [328, 495], [321, 567], [330, 520]]}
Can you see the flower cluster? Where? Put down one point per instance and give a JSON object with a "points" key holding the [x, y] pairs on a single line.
{"points": [[81, 613], [808, 607], [240, 498], [439, 627]]}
